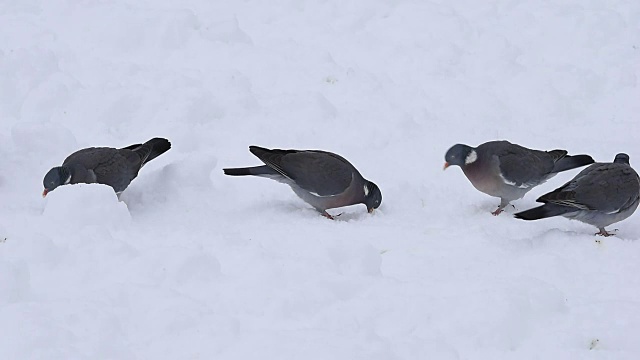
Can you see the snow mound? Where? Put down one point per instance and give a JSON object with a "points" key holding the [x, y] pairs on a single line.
{"points": [[86, 205]]}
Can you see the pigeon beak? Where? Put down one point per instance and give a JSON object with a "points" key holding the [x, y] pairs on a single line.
{"points": [[446, 165], [45, 192], [370, 210]]}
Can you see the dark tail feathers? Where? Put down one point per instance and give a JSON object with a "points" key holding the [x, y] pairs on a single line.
{"points": [[544, 211], [256, 171], [571, 162], [151, 149], [264, 153]]}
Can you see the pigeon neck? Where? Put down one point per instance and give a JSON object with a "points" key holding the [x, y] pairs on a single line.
{"points": [[65, 175], [471, 157]]}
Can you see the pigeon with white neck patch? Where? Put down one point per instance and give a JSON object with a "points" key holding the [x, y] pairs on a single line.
{"points": [[508, 171], [600, 195], [323, 179], [104, 165]]}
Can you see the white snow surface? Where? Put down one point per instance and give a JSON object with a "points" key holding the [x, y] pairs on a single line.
{"points": [[191, 264]]}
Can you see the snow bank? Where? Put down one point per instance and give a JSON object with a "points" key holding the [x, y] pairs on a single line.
{"points": [[85, 205], [193, 264]]}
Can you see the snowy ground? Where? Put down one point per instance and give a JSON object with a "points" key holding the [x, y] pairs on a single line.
{"points": [[195, 265]]}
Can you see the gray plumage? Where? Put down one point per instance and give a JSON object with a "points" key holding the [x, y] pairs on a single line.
{"points": [[103, 165], [600, 195], [322, 179], [508, 171]]}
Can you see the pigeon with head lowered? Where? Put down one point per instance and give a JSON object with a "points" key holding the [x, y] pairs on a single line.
{"points": [[509, 171], [600, 195], [103, 165], [322, 179]]}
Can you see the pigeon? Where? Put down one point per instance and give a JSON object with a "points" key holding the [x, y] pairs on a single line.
{"points": [[104, 165], [323, 179], [600, 195], [509, 171]]}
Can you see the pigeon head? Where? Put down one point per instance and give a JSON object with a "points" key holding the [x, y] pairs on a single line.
{"points": [[372, 196], [57, 176], [460, 155], [621, 158]]}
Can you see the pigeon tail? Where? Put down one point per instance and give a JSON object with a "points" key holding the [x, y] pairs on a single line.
{"points": [[263, 153], [544, 211], [571, 162], [131, 147], [151, 149], [256, 171]]}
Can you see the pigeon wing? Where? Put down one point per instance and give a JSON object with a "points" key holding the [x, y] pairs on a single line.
{"points": [[319, 172], [110, 166], [523, 167], [606, 187]]}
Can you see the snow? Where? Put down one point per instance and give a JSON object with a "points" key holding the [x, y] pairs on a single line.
{"points": [[191, 264]]}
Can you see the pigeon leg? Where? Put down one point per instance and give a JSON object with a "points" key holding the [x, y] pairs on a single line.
{"points": [[604, 232], [500, 209]]}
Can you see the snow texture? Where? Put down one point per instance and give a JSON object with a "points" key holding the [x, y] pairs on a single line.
{"points": [[191, 264]]}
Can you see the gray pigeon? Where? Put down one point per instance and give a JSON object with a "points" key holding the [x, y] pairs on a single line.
{"points": [[600, 195], [103, 165], [322, 179], [509, 171]]}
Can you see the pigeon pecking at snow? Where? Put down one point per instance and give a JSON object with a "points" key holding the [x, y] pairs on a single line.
{"points": [[322, 179], [600, 195], [103, 165], [509, 171]]}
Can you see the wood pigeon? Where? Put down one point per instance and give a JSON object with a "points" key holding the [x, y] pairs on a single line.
{"points": [[103, 165], [600, 195], [322, 179]]}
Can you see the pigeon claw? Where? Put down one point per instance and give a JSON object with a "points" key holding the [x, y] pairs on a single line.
{"points": [[328, 216], [497, 212], [604, 233]]}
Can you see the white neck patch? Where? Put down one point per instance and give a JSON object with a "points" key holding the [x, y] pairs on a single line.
{"points": [[366, 190], [471, 158], [66, 182]]}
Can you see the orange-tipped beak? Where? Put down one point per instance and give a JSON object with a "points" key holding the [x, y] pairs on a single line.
{"points": [[446, 165], [45, 192]]}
